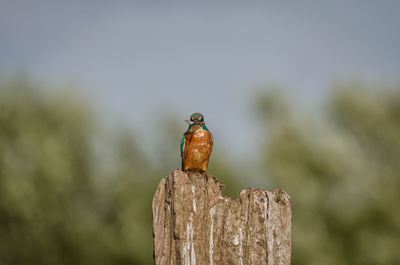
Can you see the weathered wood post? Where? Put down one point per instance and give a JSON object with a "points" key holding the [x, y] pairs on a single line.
{"points": [[194, 225]]}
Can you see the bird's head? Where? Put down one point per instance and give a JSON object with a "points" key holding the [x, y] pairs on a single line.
{"points": [[196, 119]]}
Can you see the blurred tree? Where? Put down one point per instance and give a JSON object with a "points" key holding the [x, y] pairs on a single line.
{"points": [[52, 208], [45, 178], [343, 176]]}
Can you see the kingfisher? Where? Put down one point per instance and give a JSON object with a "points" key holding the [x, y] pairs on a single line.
{"points": [[196, 145]]}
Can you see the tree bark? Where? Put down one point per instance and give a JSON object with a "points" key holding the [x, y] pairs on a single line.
{"points": [[193, 224]]}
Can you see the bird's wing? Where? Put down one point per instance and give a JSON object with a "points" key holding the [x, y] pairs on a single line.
{"points": [[182, 144]]}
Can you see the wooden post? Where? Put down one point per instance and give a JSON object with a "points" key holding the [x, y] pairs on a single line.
{"points": [[194, 225]]}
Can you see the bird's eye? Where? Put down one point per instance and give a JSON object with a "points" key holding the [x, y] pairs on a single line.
{"points": [[201, 118], [191, 118]]}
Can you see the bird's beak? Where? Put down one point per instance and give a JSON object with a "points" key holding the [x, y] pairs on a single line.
{"points": [[189, 122]]}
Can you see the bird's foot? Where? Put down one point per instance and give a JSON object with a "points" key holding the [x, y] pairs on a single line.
{"points": [[204, 173], [189, 172]]}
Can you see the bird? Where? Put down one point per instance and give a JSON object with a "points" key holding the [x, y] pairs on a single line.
{"points": [[196, 145]]}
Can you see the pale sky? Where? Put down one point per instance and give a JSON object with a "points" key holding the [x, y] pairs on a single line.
{"points": [[137, 59]]}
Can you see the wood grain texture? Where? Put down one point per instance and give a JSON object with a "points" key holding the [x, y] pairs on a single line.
{"points": [[193, 224]]}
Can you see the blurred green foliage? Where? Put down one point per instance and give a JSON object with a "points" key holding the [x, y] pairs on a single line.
{"points": [[343, 175], [72, 192]]}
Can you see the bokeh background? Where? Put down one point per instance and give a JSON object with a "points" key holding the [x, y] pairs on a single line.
{"points": [[303, 96]]}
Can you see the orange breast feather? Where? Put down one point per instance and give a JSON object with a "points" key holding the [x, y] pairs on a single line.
{"points": [[197, 150]]}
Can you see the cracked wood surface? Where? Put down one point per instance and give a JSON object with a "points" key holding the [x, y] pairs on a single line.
{"points": [[193, 224]]}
